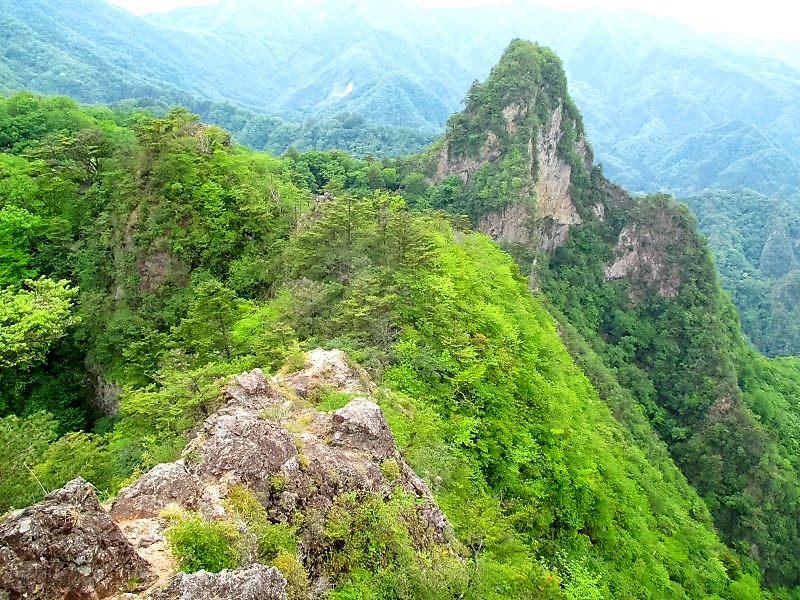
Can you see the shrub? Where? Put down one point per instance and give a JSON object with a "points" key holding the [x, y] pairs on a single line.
{"points": [[200, 544], [272, 538]]}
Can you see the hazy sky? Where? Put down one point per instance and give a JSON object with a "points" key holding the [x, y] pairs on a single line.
{"points": [[766, 18]]}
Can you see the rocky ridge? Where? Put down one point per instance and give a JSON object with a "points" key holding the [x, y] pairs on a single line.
{"points": [[266, 437]]}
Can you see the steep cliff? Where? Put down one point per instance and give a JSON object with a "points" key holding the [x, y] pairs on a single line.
{"points": [[514, 149]]}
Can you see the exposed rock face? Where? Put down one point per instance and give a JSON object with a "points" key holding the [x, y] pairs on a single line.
{"points": [[542, 212], [642, 254], [360, 424], [256, 583], [238, 446], [464, 167], [251, 390], [164, 484], [106, 395], [293, 457], [555, 211], [328, 368], [512, 224], [545, 220], [66, 546]]}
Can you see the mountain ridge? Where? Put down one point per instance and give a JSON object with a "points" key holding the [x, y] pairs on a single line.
{"points": [[632, 273], [559, 431]]}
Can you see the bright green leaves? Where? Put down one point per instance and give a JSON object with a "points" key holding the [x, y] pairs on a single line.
{"points": [[18, 231], [23, 441], [32, 319], [379, 548], [205, 331], [200, 544], [25, 117], [78, 453]]}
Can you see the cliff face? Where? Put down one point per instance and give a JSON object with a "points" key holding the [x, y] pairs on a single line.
{"points": [[515, 149], [525, 167], [645, 253], [296, 461]]}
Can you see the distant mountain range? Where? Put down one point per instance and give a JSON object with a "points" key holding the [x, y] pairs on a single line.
{"points": [[667, 108], [756, 246]]}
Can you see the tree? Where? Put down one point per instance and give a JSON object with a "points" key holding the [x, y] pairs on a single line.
{"points": [[18, 229], [22, 443], [206, 329], [32, 319]]}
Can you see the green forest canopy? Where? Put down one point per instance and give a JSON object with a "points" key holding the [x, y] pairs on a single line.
{"points": [[177, 259]]}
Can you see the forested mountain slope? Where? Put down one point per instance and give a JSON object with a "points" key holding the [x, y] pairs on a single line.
{"points": [[656, 96], [96, 52], [587, 420], [195, 260], [637, 282], [179, 259]]}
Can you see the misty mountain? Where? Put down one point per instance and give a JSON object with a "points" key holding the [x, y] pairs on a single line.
{"points": [[665, 107]]}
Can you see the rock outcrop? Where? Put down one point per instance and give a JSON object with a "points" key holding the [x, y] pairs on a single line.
{"points": [[646, 252], [293, 456], [67, 546], [237, 445], [256, 583], [360, 425], [327, 368], [517, 147], [555, 211], [163, 485], [269, 438]]}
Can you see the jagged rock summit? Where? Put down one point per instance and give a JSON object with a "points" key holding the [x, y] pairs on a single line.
{"points": [[267, 437], [523, 171], [254, 583], [520, 138]]}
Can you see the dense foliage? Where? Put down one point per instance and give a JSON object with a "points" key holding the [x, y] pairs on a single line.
{"points": [[194, 259], [638, 284], [686, 363]]}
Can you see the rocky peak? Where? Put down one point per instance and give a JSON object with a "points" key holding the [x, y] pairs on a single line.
{"points": [[649, 248], [641, 256], [254, 583], [515, 147], [328, 368], [67, 546]]}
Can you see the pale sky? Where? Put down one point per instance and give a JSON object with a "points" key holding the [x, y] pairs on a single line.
{"points": [[765, 19]]}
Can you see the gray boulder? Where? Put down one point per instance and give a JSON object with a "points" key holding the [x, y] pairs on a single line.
{"points": [[360, 425], [164, 484], [328, 368], [236, 445], [67, 546], [256, 583], [251, 390]]}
